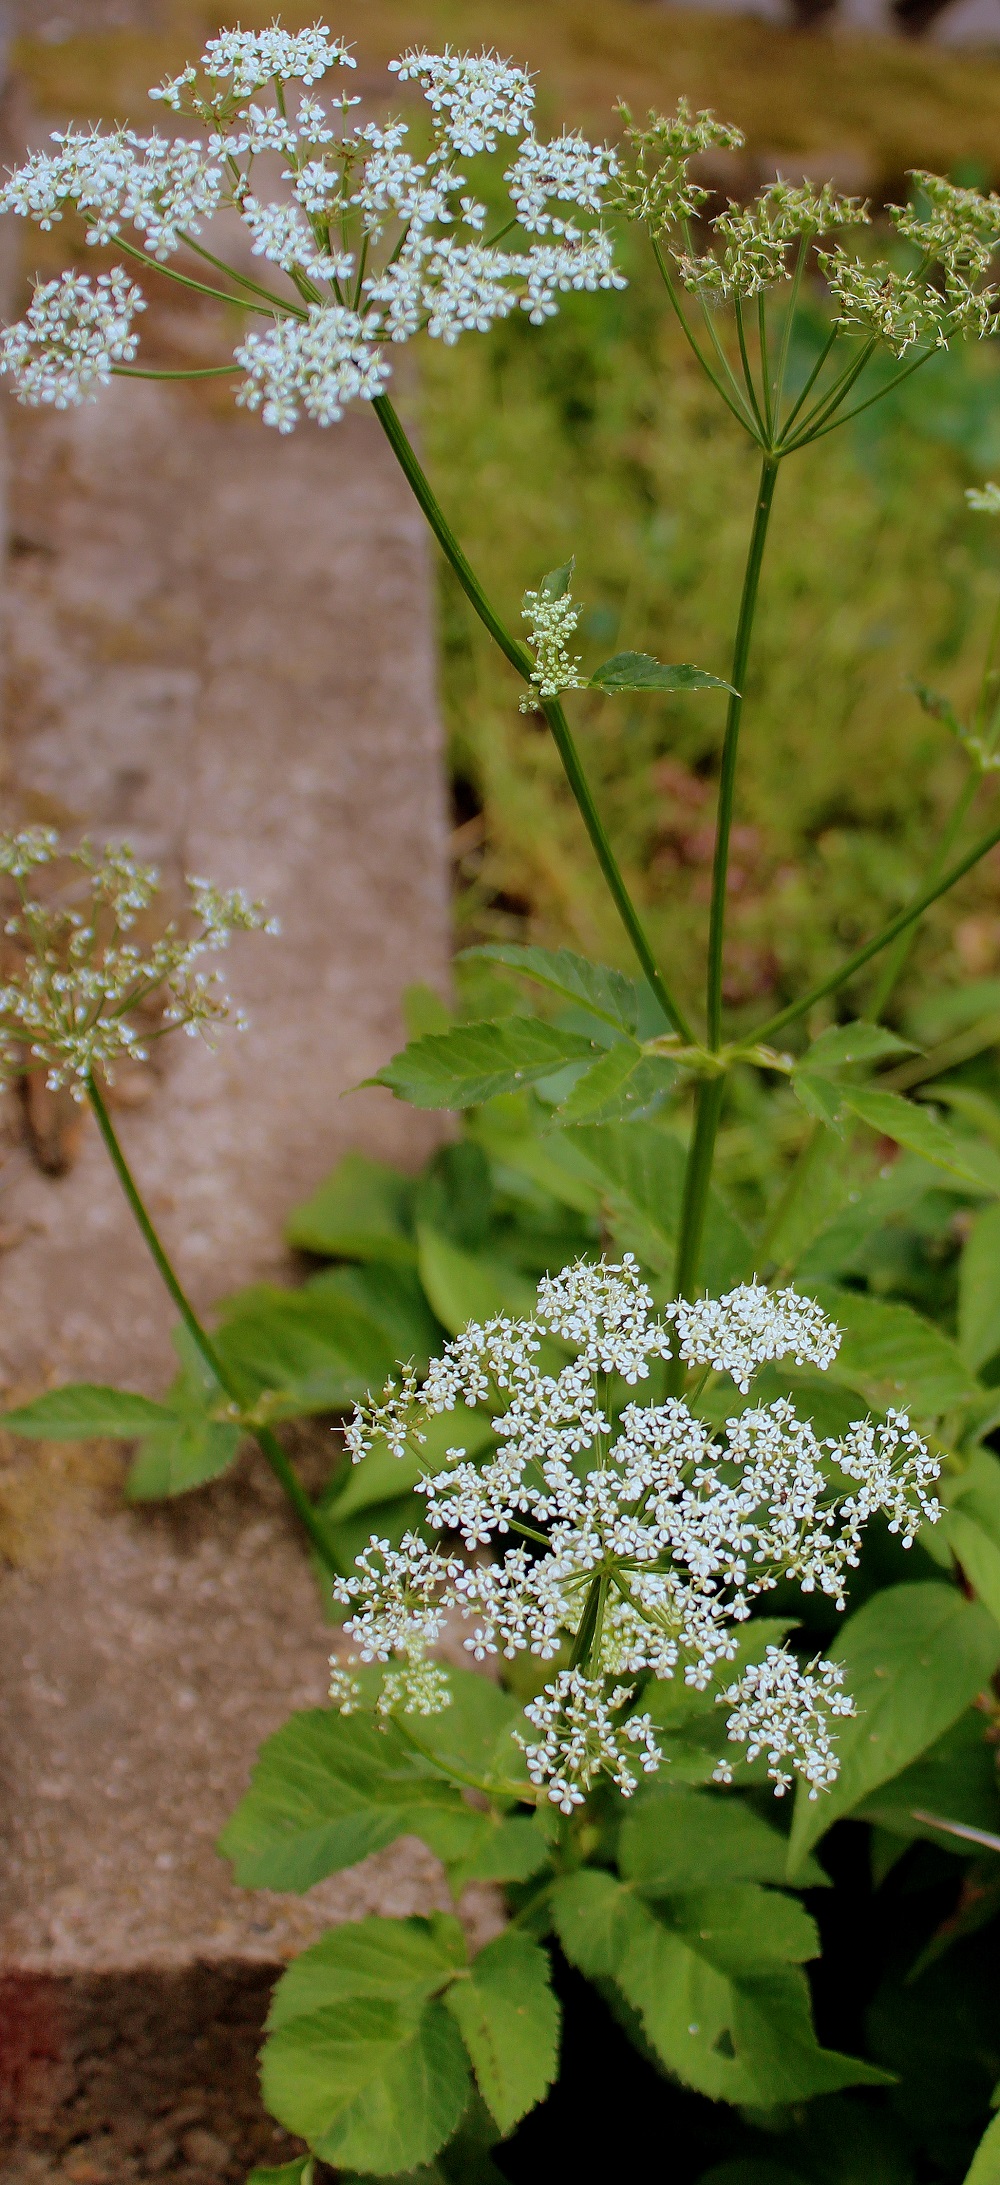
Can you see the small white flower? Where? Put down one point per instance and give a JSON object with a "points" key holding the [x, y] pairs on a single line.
{"points": [[647, 1530], [475, 97], [553, 622], [568, 169], [75, 332], [316, 364], [985, 500]]}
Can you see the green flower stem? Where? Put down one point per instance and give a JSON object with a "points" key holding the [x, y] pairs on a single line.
{"points": [[897, 925], [727, 776], [698, 1173], [734, 402], [267, 1442], [202, 371], [893, 967], [878, 396], [520, 659], [591, 1621], [170, 273]]}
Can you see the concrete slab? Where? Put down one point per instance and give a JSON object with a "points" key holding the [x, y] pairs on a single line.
{"points": [[220, 648]]}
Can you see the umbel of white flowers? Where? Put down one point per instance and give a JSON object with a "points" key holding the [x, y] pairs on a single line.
{"points": [[375, 244], [647, 1537], [74, 983]]}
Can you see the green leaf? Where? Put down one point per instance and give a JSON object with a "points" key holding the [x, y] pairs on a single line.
{"points": [[838, 1242], [639, 671], [623, 1083], [914, 1658], [308, 1350], [676, 1840], [373, 2085], [397, 1960], [472, 1736], [979, 1291], [464, 1286], [821, 1097], [746, 2038], [327, 1790], [605, 992], [509, 2021], [297, 2172], [557, 583], [915, 1127], [743, 1928], [173, 1459], [642, 1169], [81, 1410], [977, 1553], [844, 1043], [506, 1851], [985, 2166], [359, 1212], [475, 1062], [892, 1355], [392, 1299], [955, 1777]]}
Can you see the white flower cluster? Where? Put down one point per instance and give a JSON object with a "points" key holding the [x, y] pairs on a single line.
{"points": [[75, 332], [756, 238], [785, 1711], [314, 364], [158, 187], [984, 500], [375, 244], [642, 1537], [553, 622], [73, 984]]}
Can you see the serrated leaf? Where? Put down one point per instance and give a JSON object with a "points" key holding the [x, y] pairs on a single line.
{"points": [[327, 1790], [639, 671], [464, 1286], [914, 1126], [844, 1043], [892, 1355], [82, 1410], [977, 1555], [371, 2084], [475, 1062], [744, 2039], [676, 1840], [509, 2021], [985, 2166], [622, 1083], [557, 583], [176, 1458], [607, 993], [360, 1211], [508, 1850], [642, 1169], [979, 1291], [914, 1658], [305, 1350], [399, 1960]]}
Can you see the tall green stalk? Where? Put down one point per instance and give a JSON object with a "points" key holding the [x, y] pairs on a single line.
{"points": [[267, 1442], [709, 1098], [520, 658]]}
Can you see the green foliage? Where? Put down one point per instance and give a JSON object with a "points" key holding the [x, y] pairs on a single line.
{"points": [[80, 1410], [985, 2166], [509, 2020], [475, 1062], [360, 1212], [914, 1659], [639, 671]]}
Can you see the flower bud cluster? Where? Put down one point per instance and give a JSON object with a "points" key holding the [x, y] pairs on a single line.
{"points": [[375, 244], [74, 983], [553, 622], [658, 188], [635, 1530], [756, 238]]}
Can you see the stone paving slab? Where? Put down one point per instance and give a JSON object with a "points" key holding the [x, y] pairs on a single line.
{"points": [[220, 648]]}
